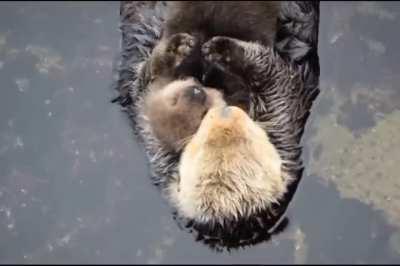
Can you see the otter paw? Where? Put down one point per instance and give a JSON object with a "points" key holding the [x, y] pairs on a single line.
{"points": [[225, 52], [180, 45]]}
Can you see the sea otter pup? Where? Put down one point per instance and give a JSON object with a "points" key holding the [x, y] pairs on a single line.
{"points": [[229, 169], [283, 82]]}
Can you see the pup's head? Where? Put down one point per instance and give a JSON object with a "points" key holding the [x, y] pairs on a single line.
{"points": [[175, 110], [229, 169]]}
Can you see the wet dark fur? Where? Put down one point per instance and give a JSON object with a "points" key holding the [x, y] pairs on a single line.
{"points": [[282, 102], [244, 20]]}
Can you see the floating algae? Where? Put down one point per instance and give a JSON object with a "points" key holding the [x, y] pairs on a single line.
{"points": [[48, 60], [364, 168]]}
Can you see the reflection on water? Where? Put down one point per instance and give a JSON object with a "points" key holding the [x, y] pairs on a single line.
{"points": [[74, 186]]}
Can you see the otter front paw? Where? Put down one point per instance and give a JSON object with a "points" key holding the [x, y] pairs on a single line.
{"points": [[170, 53], [180, 46], [226, 53]]}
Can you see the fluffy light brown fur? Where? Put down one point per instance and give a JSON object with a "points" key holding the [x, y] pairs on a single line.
{"points": [[229, 169]]}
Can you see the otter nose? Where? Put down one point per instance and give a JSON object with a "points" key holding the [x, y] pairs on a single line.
{"points": [[196, 94]]}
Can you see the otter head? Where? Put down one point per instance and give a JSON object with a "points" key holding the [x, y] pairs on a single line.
{"points": [[229, 169], [176, 108]]}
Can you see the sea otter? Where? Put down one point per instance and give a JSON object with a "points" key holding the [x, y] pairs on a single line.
{"points": [[283, 83]]}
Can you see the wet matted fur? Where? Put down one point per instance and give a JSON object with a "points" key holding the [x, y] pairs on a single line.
{"points": [[284, 117]]}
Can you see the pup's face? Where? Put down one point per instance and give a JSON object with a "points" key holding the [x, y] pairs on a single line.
{"points": [[176, 109], [229, 169]]}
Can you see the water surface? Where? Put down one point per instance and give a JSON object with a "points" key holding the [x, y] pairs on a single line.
{"points": [[74, 185]]}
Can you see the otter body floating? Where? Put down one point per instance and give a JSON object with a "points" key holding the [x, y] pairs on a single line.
{"points": [[284, 81]]}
